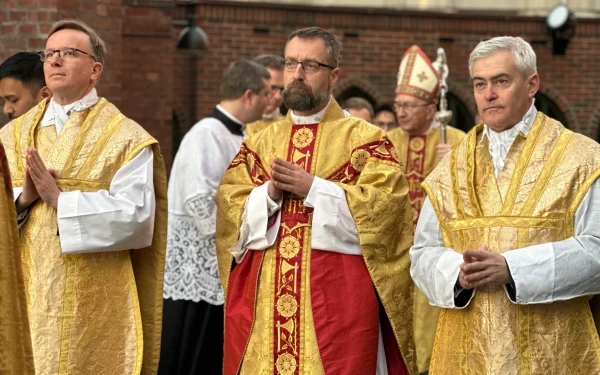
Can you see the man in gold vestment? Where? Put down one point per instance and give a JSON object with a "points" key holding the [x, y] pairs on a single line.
{"points": [[418, 141], [315, 212], [90, 192], [274, 65], [15, 342], [508, 243]]}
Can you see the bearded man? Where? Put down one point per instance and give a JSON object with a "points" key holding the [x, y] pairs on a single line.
{"points": [[313, 228]]}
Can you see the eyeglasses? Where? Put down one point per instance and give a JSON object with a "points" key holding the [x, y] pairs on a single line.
{"points": [[408, 107], [64, 54], [275, 89], [309, 67]]}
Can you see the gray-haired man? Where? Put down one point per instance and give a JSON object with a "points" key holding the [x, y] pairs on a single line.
{"points": [[507, 241]]}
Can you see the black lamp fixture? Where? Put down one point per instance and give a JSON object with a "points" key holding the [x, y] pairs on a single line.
{"points": [[561, 23], [192, 37]]}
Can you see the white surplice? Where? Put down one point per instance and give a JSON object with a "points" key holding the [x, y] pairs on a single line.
{"points": [[204, 155], [541, 273], [120, 218]]}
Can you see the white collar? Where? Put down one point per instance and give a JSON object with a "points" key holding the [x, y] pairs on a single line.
{"points": [[508, 135], [273, 115], [60, 113], [310, 119], [230, 116]]}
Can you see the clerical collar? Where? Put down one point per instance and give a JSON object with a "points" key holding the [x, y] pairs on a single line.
{"points": [[58, 115], [310, 119], [273, 115], [232, 124], [523, 126]]}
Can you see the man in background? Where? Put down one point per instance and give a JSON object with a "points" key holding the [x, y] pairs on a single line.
{"points": [[385, 117], [418, 142], [274, 65], [22, 83], [192, 341], [359, 107]]}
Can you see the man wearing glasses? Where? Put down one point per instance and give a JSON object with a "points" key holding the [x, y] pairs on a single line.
{"points": [[313, 227], [274, 65], [90, 187], [419, 144]]}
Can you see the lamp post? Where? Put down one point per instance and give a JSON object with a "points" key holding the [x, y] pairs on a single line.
{"points": [[193, 39]]}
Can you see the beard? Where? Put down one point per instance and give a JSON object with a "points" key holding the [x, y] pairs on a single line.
{"points": [[300, 97]]}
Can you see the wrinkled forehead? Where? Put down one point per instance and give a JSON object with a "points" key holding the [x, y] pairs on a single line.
{"points": [[69, 38], [306, 49], [494, 65]]}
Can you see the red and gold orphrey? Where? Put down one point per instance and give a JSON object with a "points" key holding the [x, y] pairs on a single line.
{"points": [[415, 173], [295, 218]]}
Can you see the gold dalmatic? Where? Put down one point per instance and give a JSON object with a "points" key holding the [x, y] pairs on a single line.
{"points": [[418, 152], [256, 126], [93, 313], [277, 298], [532, 201], [15, 342]]}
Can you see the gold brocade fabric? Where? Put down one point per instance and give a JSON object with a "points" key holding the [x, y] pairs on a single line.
{"points": [[533, 201], [419, 157], [256, 126], [93, 313], [15, 342], [376, 192]]}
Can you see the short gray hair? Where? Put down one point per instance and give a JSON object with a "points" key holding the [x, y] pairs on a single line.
{"points": [[270, 61], [333, 46], [522, 52], [240, 76], [97, 44]]}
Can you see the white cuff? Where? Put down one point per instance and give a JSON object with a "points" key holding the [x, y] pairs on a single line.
{"points": [[333, 227], [444, 279], [69, 228], [533, 271], [254, 234]]}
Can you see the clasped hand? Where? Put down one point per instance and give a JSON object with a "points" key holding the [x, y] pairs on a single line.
{"points": [[286, 176], [483, 267], [39, 182]]}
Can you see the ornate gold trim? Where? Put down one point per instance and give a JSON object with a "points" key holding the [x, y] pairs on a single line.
{"points": [[85, 129], [521, 167], [108, 132]]}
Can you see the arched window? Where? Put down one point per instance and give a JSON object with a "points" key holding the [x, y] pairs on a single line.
{"points": [[548, 107], [461, 116], [352, 92]]}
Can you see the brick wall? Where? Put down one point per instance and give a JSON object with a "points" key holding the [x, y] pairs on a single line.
{"points": [[150, 80], [375, 40]]}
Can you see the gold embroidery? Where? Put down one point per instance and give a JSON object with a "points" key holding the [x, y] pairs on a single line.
{"points": [[286, 364], [303, 137], [359, 159], [289, 247]]}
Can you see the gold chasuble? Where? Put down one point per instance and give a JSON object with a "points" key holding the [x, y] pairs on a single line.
{"points": [[15, 341], [93, 313], [419, 156], [256, 126], [533, 201], [292, 309]]}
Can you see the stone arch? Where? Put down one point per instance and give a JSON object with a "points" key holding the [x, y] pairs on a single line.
{"points": [[373, 94], [465, 96], [563, 105]]}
